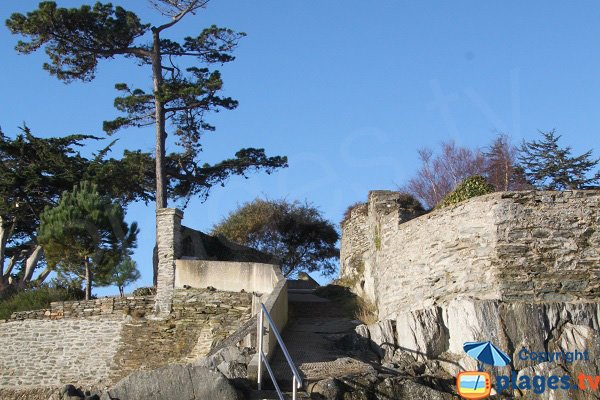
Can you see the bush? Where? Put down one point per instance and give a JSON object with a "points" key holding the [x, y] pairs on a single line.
{"points": [[410, 203], [471, 187], [144, 291], [37, 299]]}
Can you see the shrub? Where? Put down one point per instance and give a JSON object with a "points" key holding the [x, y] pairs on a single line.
{"points": [[144, 291], [471, 187], [37, 299]]}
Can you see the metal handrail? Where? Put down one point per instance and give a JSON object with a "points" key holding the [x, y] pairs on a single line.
{"points": [[296, 378]]}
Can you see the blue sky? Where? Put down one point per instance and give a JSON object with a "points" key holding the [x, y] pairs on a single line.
{"points": [[348, 90]]}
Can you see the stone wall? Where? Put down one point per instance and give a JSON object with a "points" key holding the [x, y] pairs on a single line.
{"points": [[528, 246], [96, 351], [168, 245], [355, 242], [117, 306]]}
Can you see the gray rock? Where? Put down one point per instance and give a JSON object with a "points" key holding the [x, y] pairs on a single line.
{"points": [[422, 333], [231, 361], [327, 389], [383, 338], [181, 382], [401, 388]]}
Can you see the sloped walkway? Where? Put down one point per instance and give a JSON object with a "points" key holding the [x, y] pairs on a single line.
{"points": [[315, 326]]}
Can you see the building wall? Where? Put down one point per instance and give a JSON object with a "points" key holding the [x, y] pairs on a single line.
{"points": [[527, 246]]}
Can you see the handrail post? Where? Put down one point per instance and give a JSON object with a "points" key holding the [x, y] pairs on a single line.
{"points": [[260, 347], [294, 388]]}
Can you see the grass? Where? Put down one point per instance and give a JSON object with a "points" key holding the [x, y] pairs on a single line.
{"points": [[35, 299], [351, 305]]}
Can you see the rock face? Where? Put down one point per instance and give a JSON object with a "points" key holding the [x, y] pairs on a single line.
{"points": [[182, 382], [511, 246], [434, 337]]}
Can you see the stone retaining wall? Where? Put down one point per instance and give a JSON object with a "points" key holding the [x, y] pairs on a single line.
{"points": [[525, 246], [117, 306], [93, 351]]}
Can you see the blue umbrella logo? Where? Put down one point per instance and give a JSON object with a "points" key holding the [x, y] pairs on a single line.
{"points": [[486, 353]]}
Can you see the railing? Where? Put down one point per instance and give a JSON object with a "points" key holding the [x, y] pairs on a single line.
{"points": [[296, 378]]}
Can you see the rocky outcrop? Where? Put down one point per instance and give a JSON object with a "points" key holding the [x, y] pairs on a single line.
{"points": [[182, 382], [434, 338]]}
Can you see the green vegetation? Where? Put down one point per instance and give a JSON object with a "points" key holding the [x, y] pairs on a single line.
{"points": [[470, 187], [36, 299], [144, 291], [377, 237], [550, 167], [296, 234], [185, 87], [86, 236], [124, 274]]}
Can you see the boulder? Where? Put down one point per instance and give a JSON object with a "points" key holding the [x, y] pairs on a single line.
{"points": [[182, 382], [422, 333], [326, 389], [231, 361], [382, 337]]}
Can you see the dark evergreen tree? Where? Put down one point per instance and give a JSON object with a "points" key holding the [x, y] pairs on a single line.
{"points": [[550, 167], [34, 172], [86, 235], [76, 39]]}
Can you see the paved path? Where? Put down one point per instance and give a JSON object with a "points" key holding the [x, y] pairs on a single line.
{"points": [[315, 325]]}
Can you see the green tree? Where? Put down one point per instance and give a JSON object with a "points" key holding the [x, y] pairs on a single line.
{"points": [[34, 172], [86, 235], [296, 234], [76, 39], [551, 167], [124, 274]]}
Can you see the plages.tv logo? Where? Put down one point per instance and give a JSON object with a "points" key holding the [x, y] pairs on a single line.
{"points": [[477, 384]]}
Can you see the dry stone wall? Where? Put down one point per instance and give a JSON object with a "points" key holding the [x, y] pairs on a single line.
{"points": [[525, 246], [52, 348], [117, 306]]}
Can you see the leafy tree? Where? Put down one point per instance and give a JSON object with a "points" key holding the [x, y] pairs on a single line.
{"points": [[85, 235], [296, 234], [439, 174], [551, 167], [501, 168], [76, 39], [124, 274], [471, 187]]}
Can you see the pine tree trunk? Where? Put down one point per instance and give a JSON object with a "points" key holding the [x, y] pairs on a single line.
{"points": [[161, 134], [88, 280]]}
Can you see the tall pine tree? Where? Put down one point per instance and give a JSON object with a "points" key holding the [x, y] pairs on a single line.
{"points": [[76, 39]]}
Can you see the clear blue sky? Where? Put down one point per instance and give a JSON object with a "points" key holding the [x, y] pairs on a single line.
{"points": [[348, 90]]}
